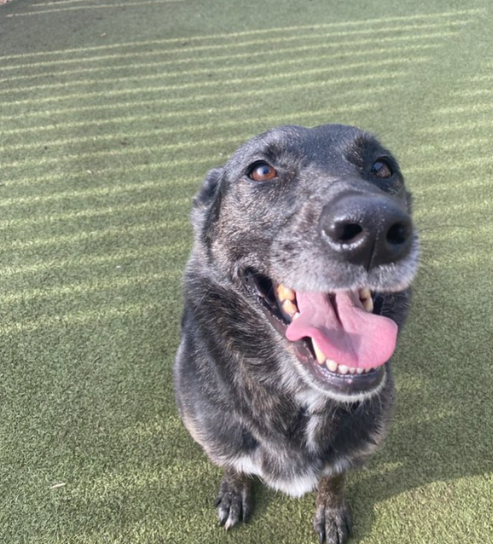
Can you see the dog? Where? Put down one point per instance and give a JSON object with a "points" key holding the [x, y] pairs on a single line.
{"points": [[294, 294]]}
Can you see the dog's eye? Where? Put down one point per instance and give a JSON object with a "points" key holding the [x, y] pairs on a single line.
{"points": [[382, 169], [261, 171]]}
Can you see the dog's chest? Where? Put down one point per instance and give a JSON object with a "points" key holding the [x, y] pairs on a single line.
{"points": [[295, 463]]}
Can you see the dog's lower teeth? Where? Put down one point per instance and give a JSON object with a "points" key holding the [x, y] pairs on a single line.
{"points": [[335, 367], [341, 369], [331, 365]]}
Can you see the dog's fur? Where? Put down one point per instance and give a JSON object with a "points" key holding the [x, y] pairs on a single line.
{"points": [[242, 392]]}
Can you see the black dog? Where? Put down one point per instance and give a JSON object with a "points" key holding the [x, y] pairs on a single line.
{"points": [[295, 291]]}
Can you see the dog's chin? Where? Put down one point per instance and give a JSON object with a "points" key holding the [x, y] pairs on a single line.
{"points": [[336, 381], [343, 389]]}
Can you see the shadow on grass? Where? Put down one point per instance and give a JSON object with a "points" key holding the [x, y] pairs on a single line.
{"points": [[420, 464]]}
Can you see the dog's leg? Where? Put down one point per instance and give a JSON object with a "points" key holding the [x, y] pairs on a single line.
{"points": [[235, 499], [332, 521]]}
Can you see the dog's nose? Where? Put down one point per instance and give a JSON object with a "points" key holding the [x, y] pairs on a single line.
{"points": [[368, 230]]}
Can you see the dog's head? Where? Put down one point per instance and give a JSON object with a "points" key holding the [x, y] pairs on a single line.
{"points": [[314, 225]]}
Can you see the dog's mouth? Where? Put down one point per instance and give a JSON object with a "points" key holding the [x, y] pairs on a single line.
{"points": [[340, 337]]}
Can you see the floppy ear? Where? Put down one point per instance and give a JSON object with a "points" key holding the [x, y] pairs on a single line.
{"points": [[206, 206], [209, 189]]}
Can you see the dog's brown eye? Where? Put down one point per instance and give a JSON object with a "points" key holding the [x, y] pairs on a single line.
{"points": [[262, 172], [382, 169]]}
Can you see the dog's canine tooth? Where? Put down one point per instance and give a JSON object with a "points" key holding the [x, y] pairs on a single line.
{"points": [[318, 353], [289, 307], [364, 293], [368, 304], [366, 300], [343, 369], [285, 293], [331, 365]]}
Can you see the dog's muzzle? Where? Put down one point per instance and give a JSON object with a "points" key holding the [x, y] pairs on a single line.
{"points": [[349, 378]]}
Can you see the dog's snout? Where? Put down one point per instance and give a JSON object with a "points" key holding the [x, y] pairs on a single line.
{"points": [[367, 230]]}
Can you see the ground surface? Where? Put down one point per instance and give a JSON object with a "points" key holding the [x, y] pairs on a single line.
{"points": [[110, 114]]}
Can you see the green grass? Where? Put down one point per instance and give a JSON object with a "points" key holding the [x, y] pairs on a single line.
{"points": [[110, 115]]}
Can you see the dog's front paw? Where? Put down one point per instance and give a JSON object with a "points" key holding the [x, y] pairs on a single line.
{"points": [[332, 525], [235, 499]]}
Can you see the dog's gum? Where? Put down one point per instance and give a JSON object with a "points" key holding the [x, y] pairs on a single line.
{"points": [[318, 353]]}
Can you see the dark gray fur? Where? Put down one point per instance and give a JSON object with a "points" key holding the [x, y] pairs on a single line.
{"points": [[239, 386]]}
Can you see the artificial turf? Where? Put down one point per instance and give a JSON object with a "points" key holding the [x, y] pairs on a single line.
{"points": [[111, 112]]}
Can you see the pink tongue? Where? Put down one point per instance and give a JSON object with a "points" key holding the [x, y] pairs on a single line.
{"points": [[354, 337]]}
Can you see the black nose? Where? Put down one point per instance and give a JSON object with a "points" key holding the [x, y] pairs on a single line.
{"points": [[367, 230]]}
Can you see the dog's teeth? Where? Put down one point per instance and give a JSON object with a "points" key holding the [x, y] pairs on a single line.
{"points": [[318, 353], [364, 293], [359, 370], [289, 308], [331, 365], [367, 370], [368, 304], [296, 315], [343, 369], [352, 370], [285, 293], [366, 300]]}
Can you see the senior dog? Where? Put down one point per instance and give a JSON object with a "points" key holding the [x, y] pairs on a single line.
{"points": [[295, 291]]}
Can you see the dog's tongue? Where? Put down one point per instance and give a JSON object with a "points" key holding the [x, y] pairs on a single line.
{"points": [[350, 336]]}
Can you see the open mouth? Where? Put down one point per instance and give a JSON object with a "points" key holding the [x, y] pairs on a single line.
{"points": [[340, 337]]}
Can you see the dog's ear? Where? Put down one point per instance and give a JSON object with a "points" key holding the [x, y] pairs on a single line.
{"points": [[206, 206], [208, 191]]}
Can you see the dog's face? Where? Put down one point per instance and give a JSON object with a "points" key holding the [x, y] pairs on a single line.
{"points": [[314, 226]]}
